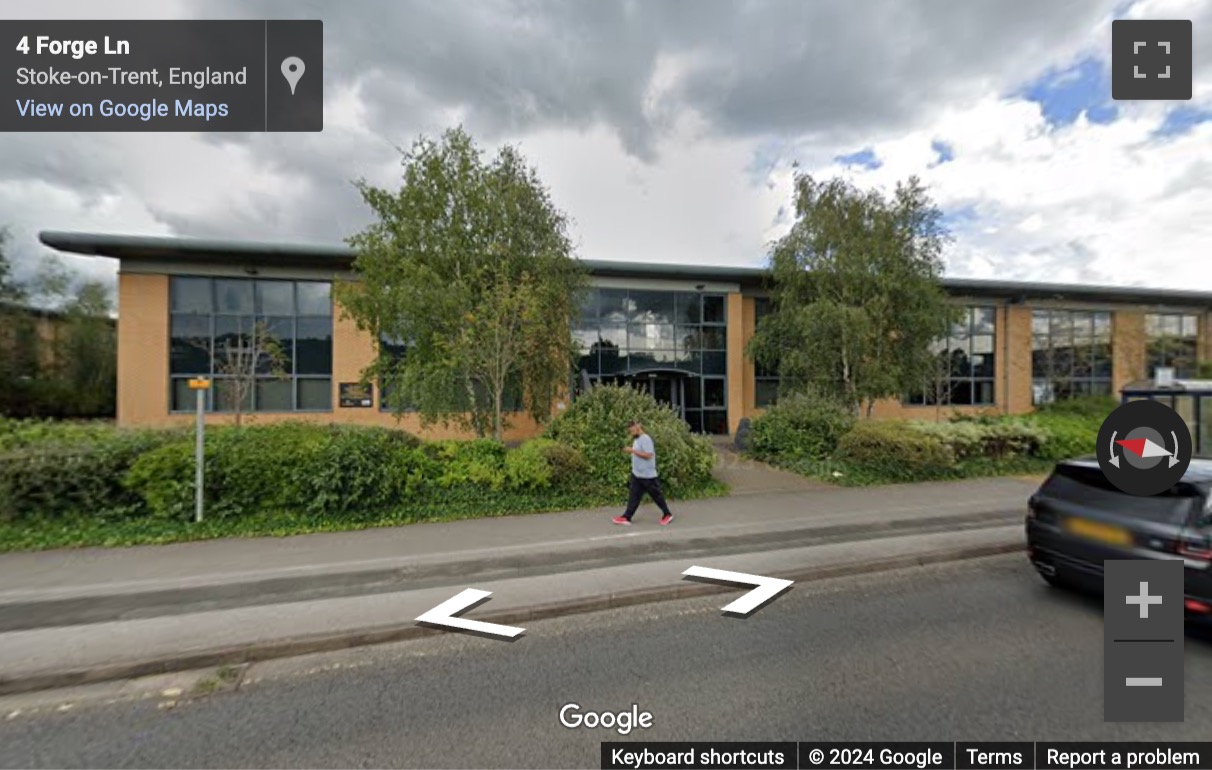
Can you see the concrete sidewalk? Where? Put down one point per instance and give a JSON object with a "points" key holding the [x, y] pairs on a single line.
{"points": [[72, 587]]}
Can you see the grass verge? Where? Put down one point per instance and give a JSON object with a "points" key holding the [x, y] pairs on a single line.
{"points": [[79, 532]]}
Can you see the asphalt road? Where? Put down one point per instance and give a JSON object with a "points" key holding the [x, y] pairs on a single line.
{"points": [[972, 651]]}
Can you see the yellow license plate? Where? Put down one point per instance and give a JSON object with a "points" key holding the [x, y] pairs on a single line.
{"points": [[1104, 533]]}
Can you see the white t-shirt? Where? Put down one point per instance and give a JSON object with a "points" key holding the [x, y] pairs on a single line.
{"points": [[641, 468]]}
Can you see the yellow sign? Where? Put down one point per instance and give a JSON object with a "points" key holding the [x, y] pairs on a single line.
{"points": [[199, 384]]}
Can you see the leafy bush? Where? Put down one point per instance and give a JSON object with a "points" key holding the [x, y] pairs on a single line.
{"points": [[801, 426], [895, 450], [53, 473], [1066, 436], [1088, 407], [990, 439], [596, 425], [567, 463], [527, 467]]}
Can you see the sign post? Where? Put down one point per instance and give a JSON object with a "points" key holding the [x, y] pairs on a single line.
{"points": [[199, 386]]}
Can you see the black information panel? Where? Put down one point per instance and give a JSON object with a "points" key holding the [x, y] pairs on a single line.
{"points": [[245, 76], [924, 755]]}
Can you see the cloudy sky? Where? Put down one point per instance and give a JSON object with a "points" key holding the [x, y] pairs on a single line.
{"points": [[667, 129]]}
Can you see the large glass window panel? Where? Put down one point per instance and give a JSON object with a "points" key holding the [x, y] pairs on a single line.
{"points": [[228, 395], [590, 303], [1190, 326], [694, 418], [232, 334], [190, 344], [313, 298], [281, 331], [650, 336], [313, 346], [274, 395], [690, 308], [1171, 326], [715, 422], [653, 307], [714, 392], [315, 394], [1041, 323], [612, 337], [983, 320], [1102, 327], [275, 298], [191, 295], [714, 309], [982, 365], [715, 363], [234, 296], [694, 392], [713, 338], [613, 306], [983, 392], [766, 393]]}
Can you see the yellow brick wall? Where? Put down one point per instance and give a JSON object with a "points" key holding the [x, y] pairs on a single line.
{"points": [[740, 389], [1128, 348]]}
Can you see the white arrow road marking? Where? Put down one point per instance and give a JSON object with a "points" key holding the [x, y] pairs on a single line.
{"points": [[767, 587], [444, 615]]}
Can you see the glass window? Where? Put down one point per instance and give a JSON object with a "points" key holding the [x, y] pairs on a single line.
{"points": [[713, 309], [315, 395], [713, 392], [715, 422], [1070, 354], [190, 344], [715, 363], [275, 298], [234, 296], [690, 309], [967, 363], [191, 295], [1173, 342], [218, 339], [653, 307], [313, 346], [314, 298], [614, 306], [274, 395]]}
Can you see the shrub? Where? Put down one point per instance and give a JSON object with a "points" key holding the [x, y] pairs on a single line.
{"points": [[479, 463], [596, 426], [1089, 407], [527, 467], [801, 426], [894, 450], [1066, 436], [55, 473], [568, 465], [350, 468], [989, 438]]}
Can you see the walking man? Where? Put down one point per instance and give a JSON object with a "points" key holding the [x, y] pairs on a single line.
{"points": [[644, 479]]}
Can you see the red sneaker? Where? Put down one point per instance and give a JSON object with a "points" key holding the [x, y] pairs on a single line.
{"points": [[666, 520], [621, 520]]}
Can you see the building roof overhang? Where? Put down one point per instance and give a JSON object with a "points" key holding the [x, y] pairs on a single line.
{"points": [[340, 257]]}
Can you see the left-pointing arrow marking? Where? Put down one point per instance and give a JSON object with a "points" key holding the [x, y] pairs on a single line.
{"points": [[444, 615], [767, 588]]}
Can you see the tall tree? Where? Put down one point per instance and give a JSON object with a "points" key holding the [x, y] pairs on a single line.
{"points": [[469, 265], [857, 299]]}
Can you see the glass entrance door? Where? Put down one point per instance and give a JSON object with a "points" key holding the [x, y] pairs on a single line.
{"points": [[666, 389]]}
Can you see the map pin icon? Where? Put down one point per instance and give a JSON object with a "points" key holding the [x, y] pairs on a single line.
{"points": [[292, 70]]}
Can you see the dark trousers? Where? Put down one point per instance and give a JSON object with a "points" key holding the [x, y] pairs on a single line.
{"points": [[636, 491]]}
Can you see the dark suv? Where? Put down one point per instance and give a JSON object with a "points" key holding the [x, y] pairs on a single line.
{"points": [[1077, 519]]}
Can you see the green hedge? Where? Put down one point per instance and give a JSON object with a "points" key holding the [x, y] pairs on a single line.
{"points": [[596, 424], [895, 450], [59, 472], [801, 426]]}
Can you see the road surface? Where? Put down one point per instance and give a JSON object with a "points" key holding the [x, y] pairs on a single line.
{"points": [[977, 650]]}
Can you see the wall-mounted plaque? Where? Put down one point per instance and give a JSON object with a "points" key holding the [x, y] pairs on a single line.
{"points": [[355, 395]]}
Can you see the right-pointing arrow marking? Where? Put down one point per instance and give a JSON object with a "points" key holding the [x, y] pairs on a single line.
{"points": [[766, 588], [445, 615]]}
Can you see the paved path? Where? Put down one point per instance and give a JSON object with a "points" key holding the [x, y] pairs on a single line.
{"points": [[750, 477], [980, 651], [93, 571]]}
